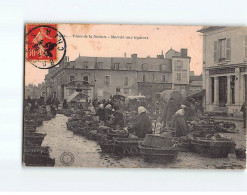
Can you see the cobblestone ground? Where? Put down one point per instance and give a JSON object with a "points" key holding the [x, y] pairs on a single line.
{"points": [[87, 153]]}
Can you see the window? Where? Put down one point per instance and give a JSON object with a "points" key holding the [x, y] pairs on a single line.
{"points": [[117, 90], [116, 66], [179, 76], [85, 80], [107, 80], [129, 66], [99, 65], [85, 65], [179, 65], [222, 50], [228, 49], [144, 78], [145, 67], [126, 81], [164, 78], [126, 91], [71, 78], [163, 67], [245, 46]]}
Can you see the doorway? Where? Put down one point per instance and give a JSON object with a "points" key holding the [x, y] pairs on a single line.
{"points": [[222, 91]]}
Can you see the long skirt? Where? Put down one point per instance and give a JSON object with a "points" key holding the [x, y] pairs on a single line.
{"points": [[180, 125]]}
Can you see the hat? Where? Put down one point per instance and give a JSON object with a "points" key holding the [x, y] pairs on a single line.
{"points": [[183, 106], [141, 109]]}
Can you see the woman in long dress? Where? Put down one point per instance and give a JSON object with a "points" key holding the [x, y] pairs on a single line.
{"points": [[179, 122]]}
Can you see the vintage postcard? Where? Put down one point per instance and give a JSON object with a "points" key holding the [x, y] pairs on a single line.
{"points": [[135, 96]]}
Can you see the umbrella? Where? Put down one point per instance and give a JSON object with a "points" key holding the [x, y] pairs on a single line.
{"points": [[176, 95]]}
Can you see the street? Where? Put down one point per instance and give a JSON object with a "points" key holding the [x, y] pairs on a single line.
{"points": [[87, 153]]}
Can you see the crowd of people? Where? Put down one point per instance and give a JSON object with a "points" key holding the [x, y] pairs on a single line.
{"points": [[111, 113]]}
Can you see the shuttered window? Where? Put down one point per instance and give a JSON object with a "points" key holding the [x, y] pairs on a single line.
{"points": [[228, 49], [107, 80], [215, 51]]}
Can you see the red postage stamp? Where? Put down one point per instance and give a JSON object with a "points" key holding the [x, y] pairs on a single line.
{"points": [[44, 45]]}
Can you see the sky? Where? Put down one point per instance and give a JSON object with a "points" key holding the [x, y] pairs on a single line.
{"points": [[159, 38]]}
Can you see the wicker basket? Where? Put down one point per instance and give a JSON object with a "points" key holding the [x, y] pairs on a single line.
{"points": [[218, 148], [240, 153], [107, 146], [158, 141], [161, 155], [34, 138], [117, 134], [38, 160], [91, 134], [127, 146]]}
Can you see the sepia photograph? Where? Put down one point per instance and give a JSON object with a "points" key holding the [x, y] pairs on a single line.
{"points": [[134, 96]]}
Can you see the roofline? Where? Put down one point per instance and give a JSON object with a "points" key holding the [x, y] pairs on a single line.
{"points": [[209, 28]]}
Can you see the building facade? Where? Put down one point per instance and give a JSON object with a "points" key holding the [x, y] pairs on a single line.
{"points": [[35, 91], [102, 77], [224, 68]]}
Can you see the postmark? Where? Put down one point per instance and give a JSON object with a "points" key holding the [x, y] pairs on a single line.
{"points": [[45, 46], [67, 158]]}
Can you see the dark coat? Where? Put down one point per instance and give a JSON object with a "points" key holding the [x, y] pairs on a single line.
{"points": [[101, 113], [169, 110], [143, 126], [118, 119], [180, 125]]}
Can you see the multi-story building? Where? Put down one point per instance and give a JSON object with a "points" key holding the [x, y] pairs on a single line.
{"points": [[34, 91], [224, 68], [102, 77]]}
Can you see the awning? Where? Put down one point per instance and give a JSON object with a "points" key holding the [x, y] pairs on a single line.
{"points": [[197, 94], [77, 97]]}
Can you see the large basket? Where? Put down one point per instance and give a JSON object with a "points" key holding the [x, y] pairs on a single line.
{"points": [[117, 134], [38, 160], [91, 135], [127, 146], [158, 141], [107, 146], [161, 155], [34, 138], [218, 148]]}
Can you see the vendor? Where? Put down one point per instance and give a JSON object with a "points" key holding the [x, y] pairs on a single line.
{"points": [[118, 120], [179, 122], [108, 112], [143, 125], [100, 112]]}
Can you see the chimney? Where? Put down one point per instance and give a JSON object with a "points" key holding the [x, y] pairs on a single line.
{"points": [[134, 55], [125, 54], [183, 52], [161, 56]]}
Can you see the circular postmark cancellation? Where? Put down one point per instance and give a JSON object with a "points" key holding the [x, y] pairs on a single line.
{"points": [[45, 46], [67, 158]]}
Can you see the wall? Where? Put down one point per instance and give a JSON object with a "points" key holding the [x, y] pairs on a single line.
{"points": [[237, 36]]}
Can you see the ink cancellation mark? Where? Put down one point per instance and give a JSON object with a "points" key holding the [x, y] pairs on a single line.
{"points": [[67, 158], [45, 46]]}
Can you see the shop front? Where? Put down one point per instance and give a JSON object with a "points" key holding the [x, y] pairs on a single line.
{"points": [[225, 90]]}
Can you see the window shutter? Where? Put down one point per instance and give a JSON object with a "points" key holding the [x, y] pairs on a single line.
{"points": [[228, 49], [215, 51]]}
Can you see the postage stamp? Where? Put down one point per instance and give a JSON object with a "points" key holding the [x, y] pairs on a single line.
{"points": [[45, 46]]}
